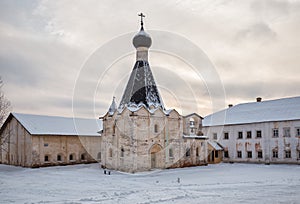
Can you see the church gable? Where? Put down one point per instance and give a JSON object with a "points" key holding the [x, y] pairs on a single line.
{"points": [[158, 113], [174, 114]]}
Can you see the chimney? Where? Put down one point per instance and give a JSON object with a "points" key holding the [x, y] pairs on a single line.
{"points": [[230, 105], [258, 99]]}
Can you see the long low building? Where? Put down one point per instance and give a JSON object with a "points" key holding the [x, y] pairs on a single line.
{"points": [[34, 140], [261, 131]]}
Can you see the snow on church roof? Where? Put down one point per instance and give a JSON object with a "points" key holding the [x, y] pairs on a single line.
{"points": [[55, 125], [265, 111]]}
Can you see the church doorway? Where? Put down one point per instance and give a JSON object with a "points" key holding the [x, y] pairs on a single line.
{"points": [[155, 152]]}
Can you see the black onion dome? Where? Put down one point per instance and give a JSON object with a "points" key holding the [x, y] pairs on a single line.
{"points": [[142, 39]]}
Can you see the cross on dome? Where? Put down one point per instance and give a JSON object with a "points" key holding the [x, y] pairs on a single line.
{"points": [[142, 23]]}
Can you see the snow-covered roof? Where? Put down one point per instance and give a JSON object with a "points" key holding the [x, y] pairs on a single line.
{"points": [[265, 111], [135, 108], [55, 125], [215, 145]]}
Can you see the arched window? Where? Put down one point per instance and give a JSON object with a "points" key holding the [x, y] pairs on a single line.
{"points": [[122, 152], [114, 129], [58, 157], [155, 128], [71, 157], [188, 152], [99, 156], [197, 151], [171, 153], [110, 153], [192, 122], [83, 157]]}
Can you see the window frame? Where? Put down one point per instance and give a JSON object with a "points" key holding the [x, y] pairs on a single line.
{"points": [[258, 134], [171, 155], [297, 131], [83, 157], [215, 136], [275, 154], [226, 154], [240, 135], [47, 158], [155, 128], [288, 154], [286, 132], [249, 134], [122, 152], [275, 132], [197, 151], [239, 154], [73, 157], [226, 136], [59, 158], [260, 155], [249, 154], [188, 152]]}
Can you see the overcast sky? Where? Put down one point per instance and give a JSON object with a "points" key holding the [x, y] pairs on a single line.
{"points": [[46, 47]]}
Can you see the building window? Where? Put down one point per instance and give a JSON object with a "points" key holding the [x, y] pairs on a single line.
{"points": [[122, 152], [99, 156], [171, 153], [192, 130], [83, 156], [46, 145], [275, 154], [197, 152], [216, 154], [298, 153], [71, 157], [114, 129], [239, 154], [110, 153], [286, 132], [188, 152], [155, 128], [215, 136], [259, 154], [240, 135], [59, 157], [192, 122], [249, 135], [226, 135], [46, 158], [288, 154], [249, 154], [297, 131], [275, 132], [258, 134], [226, 155]]}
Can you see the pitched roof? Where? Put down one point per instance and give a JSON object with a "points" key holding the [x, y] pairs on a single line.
{"points": [[265, 111], [215, 145], [55, 125], [141, 88]]}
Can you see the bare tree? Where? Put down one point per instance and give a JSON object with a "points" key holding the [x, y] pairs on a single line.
{"points": [[4, 105], [5, 108]]}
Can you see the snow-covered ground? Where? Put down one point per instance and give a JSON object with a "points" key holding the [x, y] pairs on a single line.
{"points": [[221, 183]]}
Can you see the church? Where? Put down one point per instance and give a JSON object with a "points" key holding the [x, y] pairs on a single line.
{"points": [[140, 134]]}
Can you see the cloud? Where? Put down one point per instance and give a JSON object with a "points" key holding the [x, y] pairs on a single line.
{"points": [[253, 44]]}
